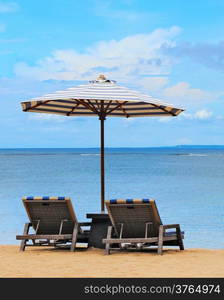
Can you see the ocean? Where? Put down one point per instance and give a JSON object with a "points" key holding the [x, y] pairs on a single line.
{"points": [[186, 182]]}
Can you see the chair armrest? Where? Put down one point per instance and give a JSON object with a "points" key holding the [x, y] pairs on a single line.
{"points": [[162, 228], [169, 226], [85, 224]]}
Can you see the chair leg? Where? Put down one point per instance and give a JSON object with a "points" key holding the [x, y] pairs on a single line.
{"points": [[22, 245], [107, 247], [180, 240], [74, 238], [160, 243], [23, 242]]}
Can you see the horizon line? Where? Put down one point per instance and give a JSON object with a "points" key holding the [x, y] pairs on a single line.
{"points": [[174, 146]]}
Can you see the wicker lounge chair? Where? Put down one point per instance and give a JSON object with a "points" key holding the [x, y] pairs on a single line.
{"points": [[53, 222], [136, 223]]}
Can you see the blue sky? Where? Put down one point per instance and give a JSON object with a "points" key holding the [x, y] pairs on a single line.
{"points": [[173, 50]]}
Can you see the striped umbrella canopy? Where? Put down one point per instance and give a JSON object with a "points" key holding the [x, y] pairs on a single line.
{"points": [[102, 98]]}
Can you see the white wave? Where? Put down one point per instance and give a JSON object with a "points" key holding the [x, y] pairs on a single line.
{"points": [[193, 154], [89, 154]]}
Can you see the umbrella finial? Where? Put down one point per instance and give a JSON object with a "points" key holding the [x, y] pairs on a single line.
{"points": [[102, 79]]}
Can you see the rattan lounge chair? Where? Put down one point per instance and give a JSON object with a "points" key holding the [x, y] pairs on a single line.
{"points": [[53, 222], [136, 224]]}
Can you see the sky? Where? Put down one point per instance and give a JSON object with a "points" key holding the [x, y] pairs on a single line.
{"points": [[172, 50]]}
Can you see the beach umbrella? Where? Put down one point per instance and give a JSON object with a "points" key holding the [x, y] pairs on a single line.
{"points": [[103, 98]]}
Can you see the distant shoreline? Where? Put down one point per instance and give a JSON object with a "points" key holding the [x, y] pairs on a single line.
{"points": [[123, 148]]}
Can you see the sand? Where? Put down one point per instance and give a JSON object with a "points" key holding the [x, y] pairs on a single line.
{"points": [[48, 262]]}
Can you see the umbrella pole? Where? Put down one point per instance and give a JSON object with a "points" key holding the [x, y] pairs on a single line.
{"points": [[102, 176]]}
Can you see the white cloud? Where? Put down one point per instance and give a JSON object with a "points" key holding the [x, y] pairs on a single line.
{"points": [[183, 92], [132, 58], [137, 60], [202, 114], [46, 117], [7, 7], [154, 83], [210, 55]]}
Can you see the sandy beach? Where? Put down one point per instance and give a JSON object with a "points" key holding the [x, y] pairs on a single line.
{"points": [[48, 262]]}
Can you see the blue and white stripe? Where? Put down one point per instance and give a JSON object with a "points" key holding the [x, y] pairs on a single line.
{"points": [[93, 98], [129, 201], [30, 198]]}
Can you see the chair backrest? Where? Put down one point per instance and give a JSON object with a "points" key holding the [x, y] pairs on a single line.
{"points": [[134, 214], [47, 213]]}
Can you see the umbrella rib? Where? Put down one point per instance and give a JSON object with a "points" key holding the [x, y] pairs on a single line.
{"points": [[122, 108], [93, 109], [163, 108], [92, 105], [69, 113], [36, 105], [170, 112], [98, 105], [116, 107], [108, 105], [124, 111]]}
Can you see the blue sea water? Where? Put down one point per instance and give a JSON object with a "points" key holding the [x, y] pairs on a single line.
{"points": [[187, 184]]}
